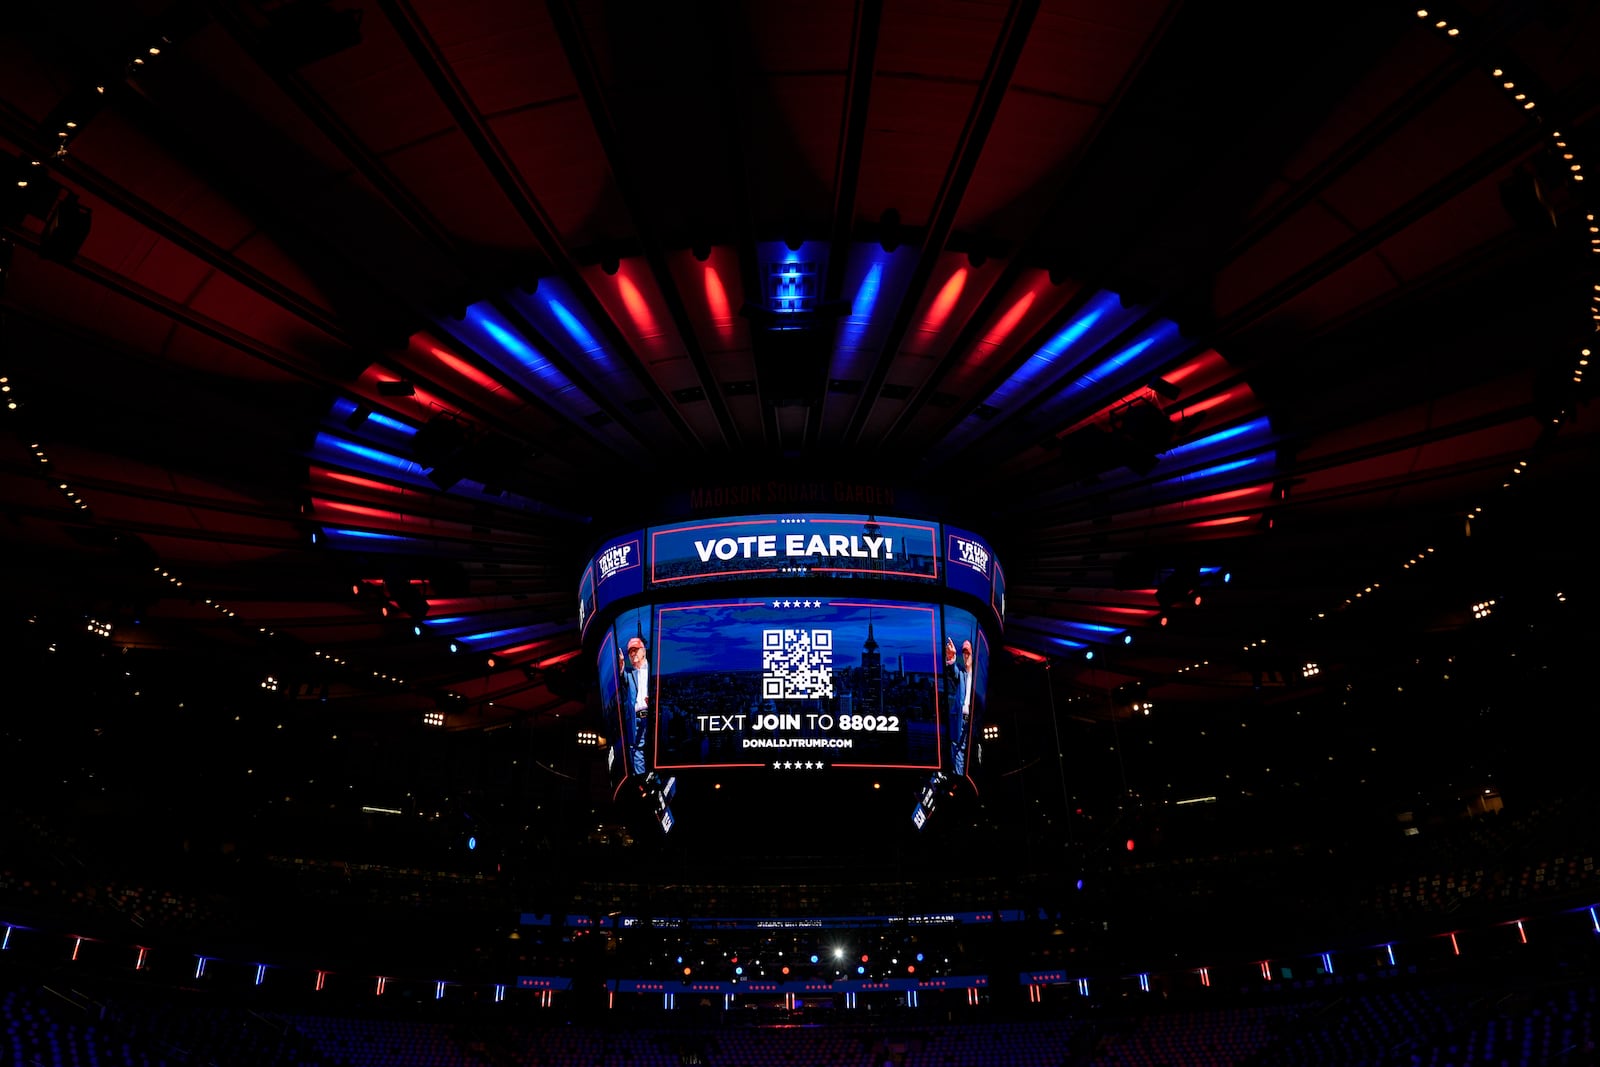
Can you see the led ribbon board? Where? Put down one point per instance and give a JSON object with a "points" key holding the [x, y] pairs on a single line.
{"points": [[762, 546]]}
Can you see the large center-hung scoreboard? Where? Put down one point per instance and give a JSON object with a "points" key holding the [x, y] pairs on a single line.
{"points": [[792, 642]]}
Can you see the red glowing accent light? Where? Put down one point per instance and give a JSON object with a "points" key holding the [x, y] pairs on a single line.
{"points": [[786, 970], [1025, 654], [553, 660], [1231, 520], [911, 968], [1197, 601], [687, 970], [1231, 494], [1178, 375], [1130, 844], [644, 320], [945, 302], [863, 959], [735, 959], [1455, 946], [358, 509], [1009, 320], [1163, 620], [717, 301], [463, 368], [1206, 405], [363, 483]]}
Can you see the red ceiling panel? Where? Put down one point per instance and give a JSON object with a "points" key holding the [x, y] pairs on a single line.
{"points": [[555, 150]]}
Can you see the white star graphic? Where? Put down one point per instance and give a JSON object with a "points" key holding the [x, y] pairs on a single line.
{"points": [[774, 603]]}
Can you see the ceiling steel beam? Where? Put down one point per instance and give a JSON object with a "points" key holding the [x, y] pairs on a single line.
{"points": [[581, 59], [969, 149]]}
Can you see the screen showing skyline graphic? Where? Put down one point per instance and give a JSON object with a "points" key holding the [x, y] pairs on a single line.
{"points": [[804, 684]]}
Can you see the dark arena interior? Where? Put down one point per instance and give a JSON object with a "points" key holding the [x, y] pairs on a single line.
{"points": [[872, 532]]}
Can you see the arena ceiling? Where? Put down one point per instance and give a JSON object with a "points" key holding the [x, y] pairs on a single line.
{"points": [[330, 323]]}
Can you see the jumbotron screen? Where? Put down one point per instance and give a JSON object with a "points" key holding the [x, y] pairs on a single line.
{"points": [[803, 641], [825, 681]]}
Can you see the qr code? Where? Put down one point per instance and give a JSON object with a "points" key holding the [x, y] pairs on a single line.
{"points": [[796, 664]]}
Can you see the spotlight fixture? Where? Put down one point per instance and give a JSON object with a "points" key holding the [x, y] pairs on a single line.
{"points": [[433, 718]]}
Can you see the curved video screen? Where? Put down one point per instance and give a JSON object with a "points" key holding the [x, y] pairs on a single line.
{"points": [[786, 682], [860, 548], [794, 545]]}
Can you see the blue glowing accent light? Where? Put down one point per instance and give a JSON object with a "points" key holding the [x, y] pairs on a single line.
{"points": [[261, 973], [1220, 468], [1227, 577], [861, 969], [569, 322], [1145, 352], [513, 344], [1252, 428], [919, 958], [1127, 639], [327, 443], [867, 295], [367, 535], [6, 942], [490, 635], [1099, 628], [343, 408], [417, 630], [380, 419], [738, 970], [1051, 352], [472, 844], [1390, 948], [1089, 654], [813, 958], [1080, 885], [453, 646]]}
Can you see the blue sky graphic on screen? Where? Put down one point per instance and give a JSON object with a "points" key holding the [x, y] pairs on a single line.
{"points": [[799, 683], [794, 545]]}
